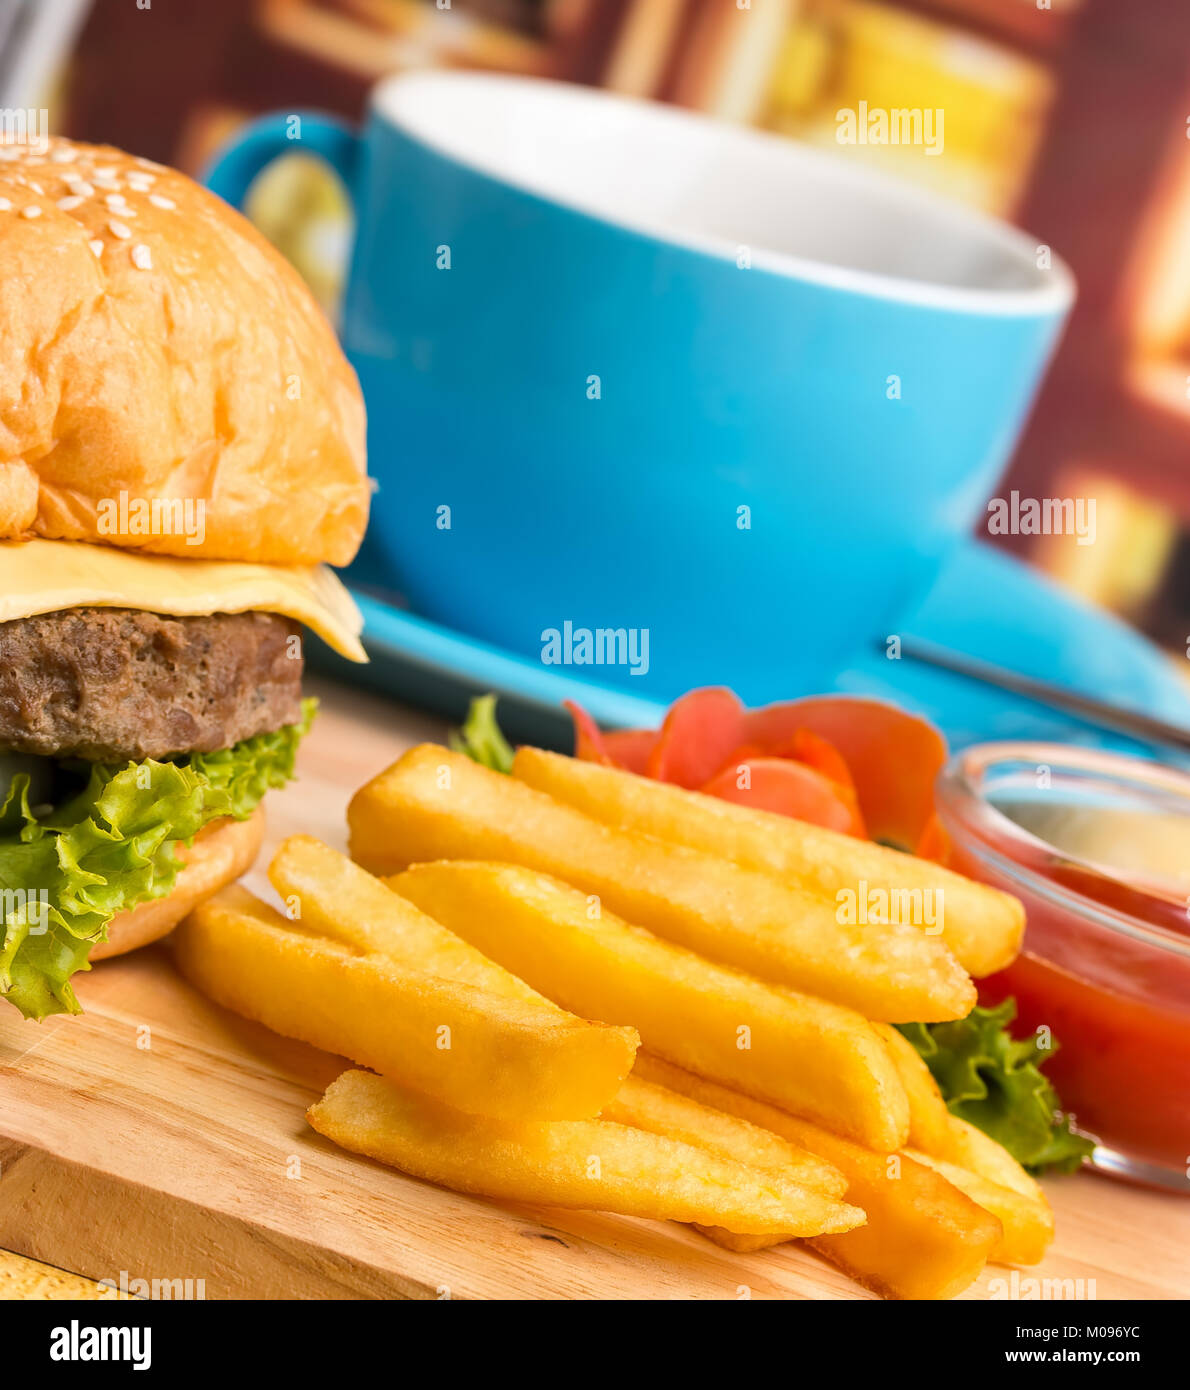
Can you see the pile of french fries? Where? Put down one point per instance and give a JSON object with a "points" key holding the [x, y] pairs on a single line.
{"points": [[577, 987]]}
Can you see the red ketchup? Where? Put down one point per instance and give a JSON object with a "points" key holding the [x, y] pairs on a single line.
{"points": [[1106, 959]]}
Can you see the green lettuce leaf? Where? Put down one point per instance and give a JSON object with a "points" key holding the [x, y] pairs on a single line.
{"points": [[480, 737], [64, 875], [994, 1081]]}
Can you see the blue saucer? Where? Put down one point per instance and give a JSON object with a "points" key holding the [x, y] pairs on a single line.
{"points": [[985, 604]]}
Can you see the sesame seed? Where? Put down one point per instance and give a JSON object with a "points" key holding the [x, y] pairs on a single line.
{"points": [[5, 205], [69, 204], [105, 173], [118, 229], [105, 181], [118, 203], [142, 257], [64, 155], [80, 188], [96, 246], [31, 211], [160, 202], [37, 188]]}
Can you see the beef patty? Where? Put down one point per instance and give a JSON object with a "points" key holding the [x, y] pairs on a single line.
{"points": [[112, 684]]}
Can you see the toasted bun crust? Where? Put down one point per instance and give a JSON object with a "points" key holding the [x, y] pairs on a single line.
{"points": [[221, 852], [154, 346]]}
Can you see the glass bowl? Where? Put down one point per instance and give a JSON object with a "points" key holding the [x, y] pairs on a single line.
{"points": [[1097, 847]]}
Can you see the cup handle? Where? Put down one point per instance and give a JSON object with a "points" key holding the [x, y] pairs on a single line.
{"points": [[250, 150]]}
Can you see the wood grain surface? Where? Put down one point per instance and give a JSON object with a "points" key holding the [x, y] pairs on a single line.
{"points": [[159, 1137]]}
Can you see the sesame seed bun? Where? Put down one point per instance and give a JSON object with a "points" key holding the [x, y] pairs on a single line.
{"points": [[154, 345], [221, 852]]}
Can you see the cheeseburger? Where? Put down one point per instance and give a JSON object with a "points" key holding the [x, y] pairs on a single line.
{"points": [[181, 455]]}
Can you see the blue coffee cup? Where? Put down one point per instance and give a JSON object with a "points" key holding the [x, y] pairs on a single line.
{"points": [[676, 400]]}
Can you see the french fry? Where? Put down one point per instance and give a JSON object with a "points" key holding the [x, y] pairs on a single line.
{"points": [[972, 1161], [982, 926], [1027, 1222], [472, 1048], [435, 804], [923, 1237], [929, 1119], [642, 1105], [802, 1053], [934, 1130], [645, 1106], [587, 1164], [972, 1148], [338, 899], [978, 1153]]}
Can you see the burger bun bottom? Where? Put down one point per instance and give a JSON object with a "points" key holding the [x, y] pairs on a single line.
{"points": [[221, 852]]}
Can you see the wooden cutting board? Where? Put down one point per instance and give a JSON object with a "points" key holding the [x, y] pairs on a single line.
{"points": [[159, 1136]]}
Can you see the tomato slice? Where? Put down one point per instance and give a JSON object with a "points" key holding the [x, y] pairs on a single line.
{"points": [[789, 789], [588, 738], [874, 766], [630, 748], [815, 751], [698, 736], [934, 842], [625, 748], [894, 757]]}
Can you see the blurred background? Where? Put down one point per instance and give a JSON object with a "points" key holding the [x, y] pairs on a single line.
{"points": [[1068, 117]]}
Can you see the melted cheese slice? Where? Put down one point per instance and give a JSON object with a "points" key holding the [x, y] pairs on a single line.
{"points": [[41, 576]]}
